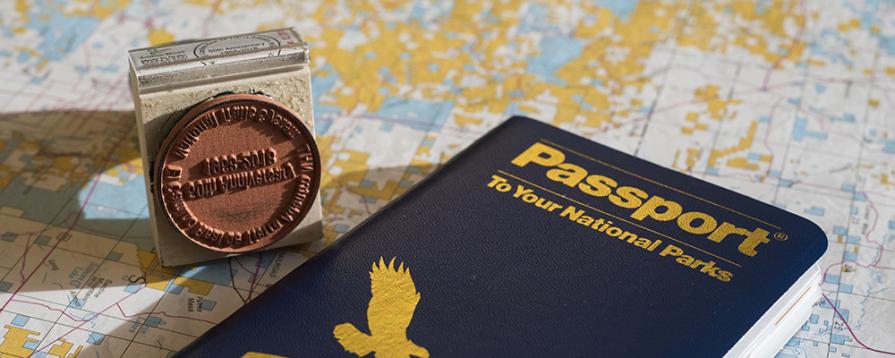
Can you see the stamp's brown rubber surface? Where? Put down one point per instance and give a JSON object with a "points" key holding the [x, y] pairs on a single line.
{"points": [[237, 173]]}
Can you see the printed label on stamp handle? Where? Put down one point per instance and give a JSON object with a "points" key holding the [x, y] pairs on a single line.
{"points": [[191, 54]]}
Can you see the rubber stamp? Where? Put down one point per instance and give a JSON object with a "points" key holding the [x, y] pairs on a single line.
{"points": [[226, 133]]}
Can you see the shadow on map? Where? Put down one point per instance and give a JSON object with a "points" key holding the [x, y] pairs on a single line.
{"points": [[73, 195], [166, 280]]}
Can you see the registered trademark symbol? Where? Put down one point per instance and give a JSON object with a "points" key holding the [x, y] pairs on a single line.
{"points": [[781, 236]]}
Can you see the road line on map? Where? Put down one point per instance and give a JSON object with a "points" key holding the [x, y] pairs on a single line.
{"points": [[77, 218], [108, 159], [105, 334], [255, 276], [85, 321], [42, 302], [852, 201], [73, 318], [792, 46], [233, 281], [74, 222], [851, 331], [24, 259], [163, 313]]}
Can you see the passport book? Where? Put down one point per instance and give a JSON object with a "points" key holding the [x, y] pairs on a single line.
{"points": [[536, 242]]}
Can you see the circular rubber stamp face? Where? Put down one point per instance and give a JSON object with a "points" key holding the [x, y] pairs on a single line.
{"points": [[237, 173]]}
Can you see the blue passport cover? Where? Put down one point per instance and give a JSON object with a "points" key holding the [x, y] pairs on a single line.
{"points": [[535, 242]]}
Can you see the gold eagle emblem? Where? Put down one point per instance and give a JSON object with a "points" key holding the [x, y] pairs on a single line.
{"points": [[388, 315]]}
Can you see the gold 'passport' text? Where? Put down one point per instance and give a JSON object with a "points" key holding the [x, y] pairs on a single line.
{"points": [[643, 205]]}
